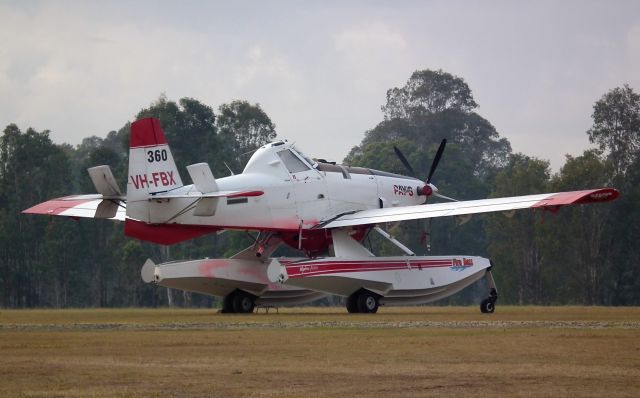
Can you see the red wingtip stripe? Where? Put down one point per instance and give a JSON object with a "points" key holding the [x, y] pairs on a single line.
{"points": [[579, 197], [54, 207], [146, 132]]}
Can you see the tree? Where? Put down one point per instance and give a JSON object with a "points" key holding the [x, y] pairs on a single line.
{"points": [[616, 126], [190, 127], [515, 241], [578, 247], [434, 105], [243, 128], [32, 169], [623, 283], [616, 130], [428, 92]]}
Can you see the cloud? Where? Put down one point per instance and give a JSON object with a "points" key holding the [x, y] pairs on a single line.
{"points": [[262, 65], [370, 39], [633, 55], [83, 68], [372, 53], [80, 76]]}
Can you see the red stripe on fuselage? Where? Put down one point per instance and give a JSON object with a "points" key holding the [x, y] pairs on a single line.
{"points": [[244, 194], [331, 267]]}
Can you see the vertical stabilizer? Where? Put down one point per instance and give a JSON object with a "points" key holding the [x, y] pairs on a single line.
{"points": [[151, 167]]}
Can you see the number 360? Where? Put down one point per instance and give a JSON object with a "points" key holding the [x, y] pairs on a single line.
{"points": [[157, 155]]}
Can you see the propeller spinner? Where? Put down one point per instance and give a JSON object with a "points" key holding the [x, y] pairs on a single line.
{"points": [[428, 189]]}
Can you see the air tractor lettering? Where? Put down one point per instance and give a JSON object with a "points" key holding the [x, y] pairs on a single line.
{"points": [[402, 190], [158, 179]]}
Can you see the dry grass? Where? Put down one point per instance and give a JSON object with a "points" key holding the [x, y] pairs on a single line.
{"points": [[414, 352]]}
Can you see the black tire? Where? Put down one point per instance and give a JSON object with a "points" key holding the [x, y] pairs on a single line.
{"points": [[352, 303], [367, 302], [243, 303], [227, 303], [487, 306]]}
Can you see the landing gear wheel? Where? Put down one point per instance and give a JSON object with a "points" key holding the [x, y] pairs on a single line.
{"points": [[243, 303], [367, 302], [352, 303], [487, 306], [227, 303]]}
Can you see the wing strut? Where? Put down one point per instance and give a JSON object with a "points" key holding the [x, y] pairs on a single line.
{"points": [[393, 240]]}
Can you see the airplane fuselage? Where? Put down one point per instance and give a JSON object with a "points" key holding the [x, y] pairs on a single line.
{"points": [[295, 194]]}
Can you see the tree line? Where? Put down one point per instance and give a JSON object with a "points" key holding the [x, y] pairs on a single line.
{"points": [[581, 255]]}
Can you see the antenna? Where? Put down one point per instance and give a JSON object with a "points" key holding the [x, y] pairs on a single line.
{"points": [[229, 168]]}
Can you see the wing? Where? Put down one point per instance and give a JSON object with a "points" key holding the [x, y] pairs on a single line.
{"points": [[82, 206], [547, 201]]}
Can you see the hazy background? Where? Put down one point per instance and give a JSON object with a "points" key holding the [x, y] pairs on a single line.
{"points": [[320, 70]]}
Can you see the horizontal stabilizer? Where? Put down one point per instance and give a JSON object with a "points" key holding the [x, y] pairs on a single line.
{"points": [[104, 181], [107, 209], [81, 206], [206, 207], [204, 182], [202, 177]]}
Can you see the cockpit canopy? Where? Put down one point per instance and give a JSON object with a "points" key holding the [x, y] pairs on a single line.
{"points": [[291, 157]]}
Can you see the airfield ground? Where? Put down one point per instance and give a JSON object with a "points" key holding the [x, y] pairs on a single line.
{"points": [[408, 352]]}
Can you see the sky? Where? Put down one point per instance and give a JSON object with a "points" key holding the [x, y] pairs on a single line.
{"points": [[319, 69]]}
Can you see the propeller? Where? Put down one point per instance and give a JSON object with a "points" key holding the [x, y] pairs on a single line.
{"points": [[405, 162], [436, 160], [428, 189]]}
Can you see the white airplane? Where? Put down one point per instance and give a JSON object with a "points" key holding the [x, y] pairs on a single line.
{"points": [[322, 209]]}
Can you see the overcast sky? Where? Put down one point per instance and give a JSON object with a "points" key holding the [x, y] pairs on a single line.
{"points": [[319, 69]]}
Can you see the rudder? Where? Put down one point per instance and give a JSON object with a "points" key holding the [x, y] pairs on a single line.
{"points": [[151, 167]]}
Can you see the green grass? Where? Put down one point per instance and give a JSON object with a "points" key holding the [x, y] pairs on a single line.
{"points": [[414, 352]]}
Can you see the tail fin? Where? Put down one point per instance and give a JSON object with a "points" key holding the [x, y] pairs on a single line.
{"points": [[151, 167]]}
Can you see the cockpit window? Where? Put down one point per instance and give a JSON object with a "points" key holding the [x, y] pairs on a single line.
{"points": [[305, 157], [292, 162]]}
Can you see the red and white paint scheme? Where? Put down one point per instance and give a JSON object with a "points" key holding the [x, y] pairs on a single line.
{"points": [[322, 209]]}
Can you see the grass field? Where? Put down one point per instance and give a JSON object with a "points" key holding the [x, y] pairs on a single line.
{"points": [[409, 352]]}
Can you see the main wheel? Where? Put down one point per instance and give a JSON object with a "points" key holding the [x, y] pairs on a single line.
{"points": [[227, 303], [367, 302], [352, 303], [487, 306], [243, 303]]}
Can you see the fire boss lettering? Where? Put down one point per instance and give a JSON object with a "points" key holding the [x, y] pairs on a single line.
{"points": [[158, 179], [460, 264], [402, 190]]}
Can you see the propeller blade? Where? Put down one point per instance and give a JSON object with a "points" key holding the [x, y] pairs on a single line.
{"points": [[444, 197], [405, 162], [436, 160]]}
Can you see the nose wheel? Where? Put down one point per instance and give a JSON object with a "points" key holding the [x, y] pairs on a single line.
{"points": [[488, 305]]}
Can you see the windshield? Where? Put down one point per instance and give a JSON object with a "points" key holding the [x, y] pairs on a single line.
{"points": [[305, 157], [292, 162]]}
